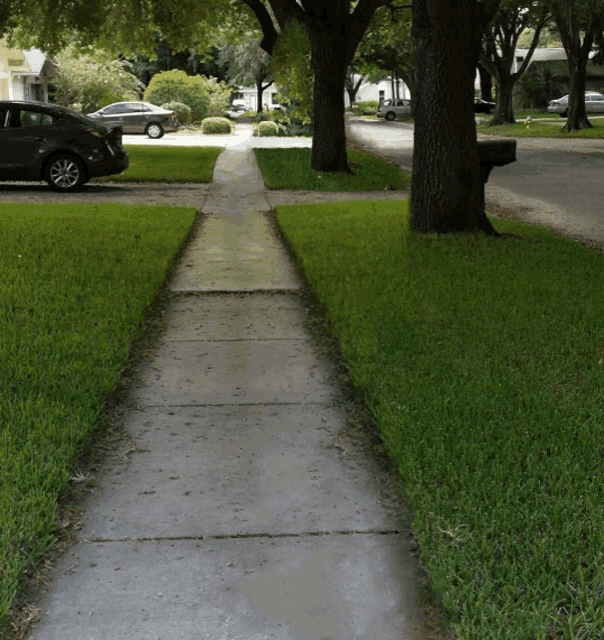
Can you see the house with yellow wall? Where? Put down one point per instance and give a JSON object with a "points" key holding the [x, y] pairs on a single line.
{"points": [[24, 74]]}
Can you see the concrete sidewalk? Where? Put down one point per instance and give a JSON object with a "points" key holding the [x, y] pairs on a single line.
{"points": [[245, 511]]}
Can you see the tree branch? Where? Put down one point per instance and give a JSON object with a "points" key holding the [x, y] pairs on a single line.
{"points": [[269, 33]]}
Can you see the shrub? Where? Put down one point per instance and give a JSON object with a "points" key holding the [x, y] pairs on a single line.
{"points": [[275, 115], [367, 107], [177, 86], [215, 125], [269, 128], [205, 96], [182, 110], [219, 95]]}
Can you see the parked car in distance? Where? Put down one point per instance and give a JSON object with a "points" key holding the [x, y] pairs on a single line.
{"points": [[137, 117], [483, 106], [238, 105], [594, 103], [390, 109], [41, 141], [236, 108]]}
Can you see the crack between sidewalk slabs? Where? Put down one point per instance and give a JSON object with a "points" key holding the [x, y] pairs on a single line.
{"points": [[243, 536]]}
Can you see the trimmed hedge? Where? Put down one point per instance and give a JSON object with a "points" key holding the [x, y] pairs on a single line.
{"points": [[216, 126], [269, 128], [367, 107]]}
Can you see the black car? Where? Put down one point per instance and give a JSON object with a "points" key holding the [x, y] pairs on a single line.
{"points": [[482, 106], [46, 142]]}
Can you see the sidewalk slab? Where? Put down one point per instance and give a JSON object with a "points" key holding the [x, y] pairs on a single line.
{"points": [[231, 255], [235, 317], [238, 470], [241, 372], [348, 587]]}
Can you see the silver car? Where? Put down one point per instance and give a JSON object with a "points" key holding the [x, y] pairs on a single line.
{"points": [[594, 103], [137, 117], [390, 109]]}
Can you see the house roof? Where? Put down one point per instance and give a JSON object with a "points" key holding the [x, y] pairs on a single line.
{"points": [[542, 55], [35, 60]]}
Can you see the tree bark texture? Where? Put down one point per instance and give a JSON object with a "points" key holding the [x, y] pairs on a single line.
{"points": [[330, 63], [504, 108], [577, 113], [446, 187]]}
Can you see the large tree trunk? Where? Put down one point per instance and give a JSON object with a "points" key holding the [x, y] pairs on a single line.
{"points": [[446, 188], [330, 64], [577, 114], [568, 23], [504, 109]]}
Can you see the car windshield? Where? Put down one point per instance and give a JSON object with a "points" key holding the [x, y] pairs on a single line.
{"points": [[152, 107]]}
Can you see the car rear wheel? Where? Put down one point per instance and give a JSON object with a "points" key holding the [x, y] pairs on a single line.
{"points": [[564, 114], [64, 173], [390, 116], [154, 130]]}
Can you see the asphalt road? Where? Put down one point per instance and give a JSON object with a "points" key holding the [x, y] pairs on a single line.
{"points": [[559, 182]]}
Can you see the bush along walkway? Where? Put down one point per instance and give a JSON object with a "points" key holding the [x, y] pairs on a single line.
{"points": [[244, 510]]}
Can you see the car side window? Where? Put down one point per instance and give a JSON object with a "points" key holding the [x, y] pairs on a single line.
{"points": [[29, 118], [115, 108]]}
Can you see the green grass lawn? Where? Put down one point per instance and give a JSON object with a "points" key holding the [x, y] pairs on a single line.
{"points": [[290, 169], [76, 282], [167, 164], [483, 363], [551, 128]]}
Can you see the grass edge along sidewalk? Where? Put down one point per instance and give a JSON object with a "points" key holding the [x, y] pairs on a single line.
{"points": [[483, 362], [77, 281]]}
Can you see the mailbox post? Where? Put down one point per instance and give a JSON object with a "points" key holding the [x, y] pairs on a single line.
{"points": [[494, 153]]}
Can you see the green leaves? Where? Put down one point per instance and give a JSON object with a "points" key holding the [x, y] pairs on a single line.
{"points": [[291, 68]]}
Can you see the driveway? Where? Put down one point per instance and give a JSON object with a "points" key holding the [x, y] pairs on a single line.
{"points": [[557, 183], [187, 195]]}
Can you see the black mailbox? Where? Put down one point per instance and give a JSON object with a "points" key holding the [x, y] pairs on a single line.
{"points": [[494, 153]]}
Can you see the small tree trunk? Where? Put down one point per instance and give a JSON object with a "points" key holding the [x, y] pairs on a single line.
{"points": [[504, 110], [486, 84], [259, 92], [330, 65], [446, 187]]}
